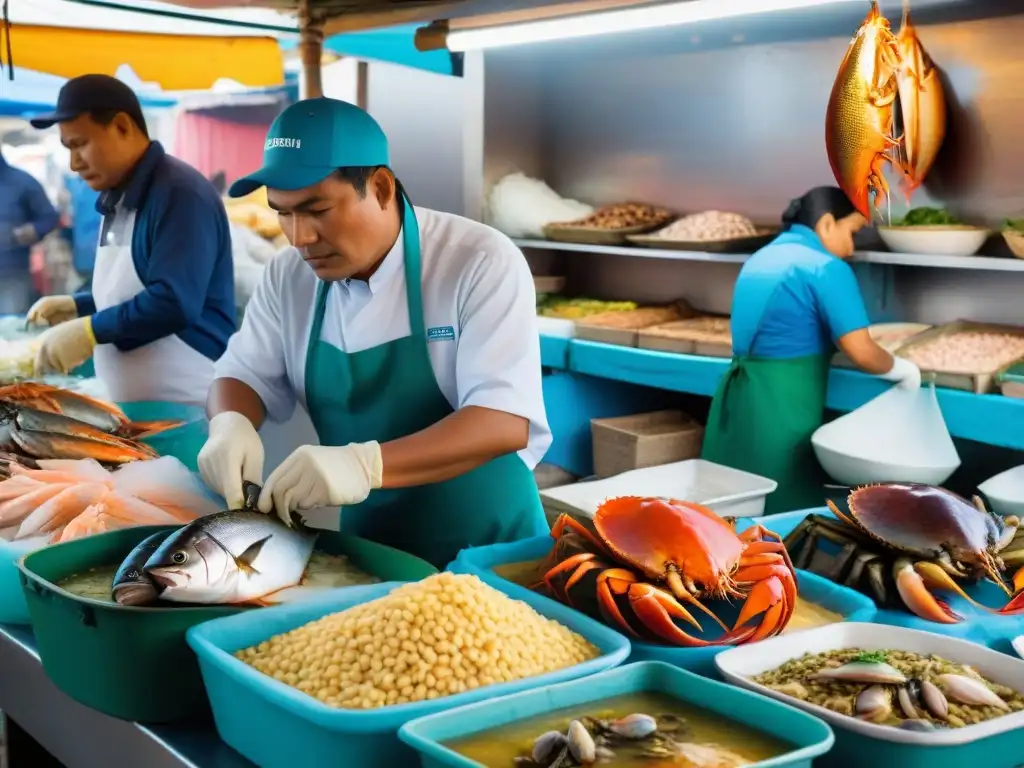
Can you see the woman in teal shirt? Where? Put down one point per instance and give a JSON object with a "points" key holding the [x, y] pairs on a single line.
{"points": [[794, 301]]}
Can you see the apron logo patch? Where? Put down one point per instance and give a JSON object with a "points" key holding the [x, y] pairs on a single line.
{"points": [[441, 333]]}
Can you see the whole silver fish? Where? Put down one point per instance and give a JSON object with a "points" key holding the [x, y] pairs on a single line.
{"points": [[132, 585], [236, 556]]}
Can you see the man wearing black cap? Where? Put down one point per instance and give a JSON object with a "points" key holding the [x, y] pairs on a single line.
{"points": [[161, 307]]}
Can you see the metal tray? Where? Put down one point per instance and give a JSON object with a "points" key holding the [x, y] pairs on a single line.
{"points": [[840, 360], [596, 235], [978, 383], [732, 245]]}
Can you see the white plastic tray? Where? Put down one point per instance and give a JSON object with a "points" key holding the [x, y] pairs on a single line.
{"points": [[556, 326], [1005, 491], [739, 665], [726, 491]]}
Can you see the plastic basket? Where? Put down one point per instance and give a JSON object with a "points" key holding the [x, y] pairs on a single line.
{"points": [[850, 604], [133, 662], [276, 726], [809, 736]]}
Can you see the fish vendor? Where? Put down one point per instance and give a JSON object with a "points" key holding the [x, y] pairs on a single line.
{"points": [[161, 305], [794, 300], [409, 336]]}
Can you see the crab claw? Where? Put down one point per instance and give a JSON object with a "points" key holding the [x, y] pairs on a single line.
{"points": [[1015, 607], [1018, 580], [770, 598], [917, 598], [655, 608], [936, 578]]}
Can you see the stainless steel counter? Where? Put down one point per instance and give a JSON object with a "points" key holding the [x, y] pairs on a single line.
{"points": [[81, 737]]}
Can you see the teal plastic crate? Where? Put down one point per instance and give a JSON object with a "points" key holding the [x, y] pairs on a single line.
{"points": [[13, 608], [850, 604], [184, 442], [277, 726], [809, 736], [992, 630]]}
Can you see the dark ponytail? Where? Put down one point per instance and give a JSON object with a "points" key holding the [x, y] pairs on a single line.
{"points": [[809, 209]]}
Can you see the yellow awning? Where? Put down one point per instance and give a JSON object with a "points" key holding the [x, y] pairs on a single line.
{"points": [[175, 62]]}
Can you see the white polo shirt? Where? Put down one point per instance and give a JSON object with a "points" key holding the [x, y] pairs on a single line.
{"points": [[479, 309]]}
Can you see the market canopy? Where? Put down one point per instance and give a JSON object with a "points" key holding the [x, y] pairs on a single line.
{"points": [[33, 92]]}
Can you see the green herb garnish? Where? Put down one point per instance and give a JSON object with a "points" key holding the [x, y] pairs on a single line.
{"points": [[921, 217], [1017, 225], [872, 657]]}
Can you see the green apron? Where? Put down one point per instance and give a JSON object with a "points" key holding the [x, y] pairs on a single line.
{"points": [[388, 392], [761, 421]]}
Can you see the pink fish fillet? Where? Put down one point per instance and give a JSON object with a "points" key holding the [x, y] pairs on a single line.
{"points": [[84, 469], [13, 512], [61, 509], [132, 511], [49, 475], [183, 506], [16, 486], [93, 519]]}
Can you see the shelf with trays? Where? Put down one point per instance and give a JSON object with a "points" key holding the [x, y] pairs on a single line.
{"points": [[991, 419], [983, 263]]}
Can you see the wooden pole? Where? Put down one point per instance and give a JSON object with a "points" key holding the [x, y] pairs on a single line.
{"points": [[311, 46]]}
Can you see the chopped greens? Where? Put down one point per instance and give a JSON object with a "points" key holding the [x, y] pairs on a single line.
{"points": [[1017, 225], [872, 657], [919, 217]]}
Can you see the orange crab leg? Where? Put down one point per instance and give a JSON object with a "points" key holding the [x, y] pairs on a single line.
{"points": [[1013, 608], [611, 582], [918, 599], [580, 561], [760, 573], [1018, 580], [769, 596], [567, 521], [652, 607]]}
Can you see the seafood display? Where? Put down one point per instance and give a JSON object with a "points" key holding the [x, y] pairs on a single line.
{"points": [[967, 351], [433, 638], [861, 111], [895, 688], [634, 319], [60, 500], [620, 216], [922, 107], [40, 421], [709, 225], [654, 561], [901, 541], [618, 732], [709, 335]]}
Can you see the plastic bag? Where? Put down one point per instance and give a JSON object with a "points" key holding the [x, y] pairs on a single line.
{"points": [[900, 436]]}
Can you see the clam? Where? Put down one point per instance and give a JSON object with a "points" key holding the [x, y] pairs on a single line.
{"points": [[547, 746], [635, 726], [916, 724], [933, 700], [968, 690], [604, 755], [863, 672], [581, 743], [874, 704], [907, 702], [668, 722]]}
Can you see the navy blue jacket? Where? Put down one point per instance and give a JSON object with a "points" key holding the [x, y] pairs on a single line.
{"points": [[22, 201], [181, 249]]}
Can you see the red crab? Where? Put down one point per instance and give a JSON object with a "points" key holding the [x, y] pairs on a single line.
{"points": [[644, 543]]}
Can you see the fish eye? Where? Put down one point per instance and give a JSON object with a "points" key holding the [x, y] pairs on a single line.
{"points": [[179, 558]]}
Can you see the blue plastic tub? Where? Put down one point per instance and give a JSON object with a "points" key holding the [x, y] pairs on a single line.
{"points": [[987, 629], [809, 736], [184, 442], [13, 608], [849, 603], [276, 726]]}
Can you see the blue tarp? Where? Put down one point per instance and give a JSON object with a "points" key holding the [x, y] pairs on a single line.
{"points": [[391, 45], [32, 92]]}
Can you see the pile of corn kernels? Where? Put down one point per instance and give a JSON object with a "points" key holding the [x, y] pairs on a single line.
{"points": [[444, 635]]}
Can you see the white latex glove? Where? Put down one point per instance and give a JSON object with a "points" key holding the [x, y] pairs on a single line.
{"points": [[233, 453], [25, 235], [52, 310], [322, 476], [905, 373]]}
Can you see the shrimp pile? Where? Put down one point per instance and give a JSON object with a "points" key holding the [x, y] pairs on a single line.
{"points": [[64, 499]]}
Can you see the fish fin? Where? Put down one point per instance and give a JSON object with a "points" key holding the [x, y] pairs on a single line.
{"points": [[248, 557], [293, 595]]}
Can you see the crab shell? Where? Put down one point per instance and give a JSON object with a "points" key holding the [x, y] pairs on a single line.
{"points": [[656, 536], [925, 521]]}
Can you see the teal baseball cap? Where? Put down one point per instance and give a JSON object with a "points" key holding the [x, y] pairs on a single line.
{"points": [[310, 140]]}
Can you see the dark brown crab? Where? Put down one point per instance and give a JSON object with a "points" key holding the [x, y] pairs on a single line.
{"points": [[938, 538]]}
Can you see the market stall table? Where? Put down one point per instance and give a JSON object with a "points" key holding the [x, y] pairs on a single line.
{"points": [[83, 738]]}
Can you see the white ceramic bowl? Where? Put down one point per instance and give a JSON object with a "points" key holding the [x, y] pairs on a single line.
{"points": [[858, 470], [1005, 492], [741, 664], [944, 240]]}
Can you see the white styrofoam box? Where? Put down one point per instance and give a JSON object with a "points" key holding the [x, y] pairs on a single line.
{"points": [[741, 664], [726, 491], [1005, 492], [556, 326], [900, 436]]}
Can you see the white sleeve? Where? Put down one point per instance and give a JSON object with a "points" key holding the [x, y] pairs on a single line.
{"points": [[256, 354], [498, 357]]}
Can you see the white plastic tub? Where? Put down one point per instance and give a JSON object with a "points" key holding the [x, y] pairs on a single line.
{"points": [[1005, 492], [726, 491], [556, 327], [741, 664]]}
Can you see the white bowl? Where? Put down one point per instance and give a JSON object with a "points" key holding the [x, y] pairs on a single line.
{"points": [[942, 240], [741, 664], [858, 470], [1005, 492]]}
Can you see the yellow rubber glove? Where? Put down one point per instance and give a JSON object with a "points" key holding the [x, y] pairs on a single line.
{"points": [[64, 348], [322, 476], [52, 310]]}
